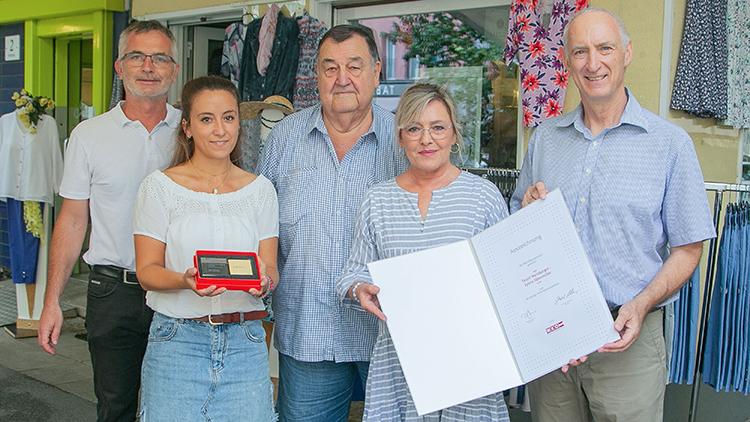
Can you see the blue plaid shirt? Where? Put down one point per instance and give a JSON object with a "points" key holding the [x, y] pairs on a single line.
{"points": [[631, 190], [318, 201]]}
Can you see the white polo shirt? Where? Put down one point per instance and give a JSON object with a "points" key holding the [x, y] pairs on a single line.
{"points": [[106, 160]]}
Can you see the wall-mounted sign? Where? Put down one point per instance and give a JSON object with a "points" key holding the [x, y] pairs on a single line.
{"points": [[12, 48]]}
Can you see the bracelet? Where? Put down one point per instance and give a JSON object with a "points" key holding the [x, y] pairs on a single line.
{"points": [[354, 290], [268, 289]]}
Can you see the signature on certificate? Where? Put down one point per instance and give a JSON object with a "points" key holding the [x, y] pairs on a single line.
{"points": [[528, 316], [566, 298]]}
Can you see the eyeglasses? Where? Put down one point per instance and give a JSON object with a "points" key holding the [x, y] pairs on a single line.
{"points": [[414, 132], [135, 59]]}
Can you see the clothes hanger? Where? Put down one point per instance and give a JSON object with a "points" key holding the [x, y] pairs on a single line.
{"points": [[247, 15]]}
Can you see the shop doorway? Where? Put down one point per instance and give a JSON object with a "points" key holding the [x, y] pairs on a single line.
{"points": [[208, 43], [73, 87], [73, 83]]}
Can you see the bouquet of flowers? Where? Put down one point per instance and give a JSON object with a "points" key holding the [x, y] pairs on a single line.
{"points": [[31, 108]]}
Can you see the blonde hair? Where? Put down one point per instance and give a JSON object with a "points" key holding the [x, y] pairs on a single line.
{"points": [[415, 99]]}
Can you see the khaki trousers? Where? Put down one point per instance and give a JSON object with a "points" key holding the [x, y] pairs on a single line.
{"points": [[608, 387]]}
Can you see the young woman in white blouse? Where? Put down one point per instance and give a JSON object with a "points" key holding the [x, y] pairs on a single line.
{"points": [[206, 358]]}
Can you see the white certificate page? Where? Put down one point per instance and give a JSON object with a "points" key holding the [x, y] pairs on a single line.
{"points": [[543, 287], [445, 330]]}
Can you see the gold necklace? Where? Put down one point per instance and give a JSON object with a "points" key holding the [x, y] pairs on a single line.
{"points": [[216, 189]]}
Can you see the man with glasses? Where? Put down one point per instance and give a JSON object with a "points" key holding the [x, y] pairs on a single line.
{"points": [[322, 160], [634, 187], [106, 160]]}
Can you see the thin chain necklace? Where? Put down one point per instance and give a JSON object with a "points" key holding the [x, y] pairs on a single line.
{"points": [[225, 173]]}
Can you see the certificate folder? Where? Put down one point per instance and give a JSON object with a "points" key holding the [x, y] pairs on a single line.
{"points": [[495, 311]]}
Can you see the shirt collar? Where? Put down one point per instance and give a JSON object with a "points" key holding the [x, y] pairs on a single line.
{"points": [[632, 115], [172, 120], [317, 122]]}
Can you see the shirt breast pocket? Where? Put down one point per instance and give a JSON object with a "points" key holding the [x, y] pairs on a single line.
{"points": [[630, 198], [293, 191]]}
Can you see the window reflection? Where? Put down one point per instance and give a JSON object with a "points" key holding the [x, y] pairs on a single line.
{"points": [[463, 49]]}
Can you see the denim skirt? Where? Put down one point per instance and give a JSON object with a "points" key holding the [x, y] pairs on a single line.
{"points": [[195, 371]]}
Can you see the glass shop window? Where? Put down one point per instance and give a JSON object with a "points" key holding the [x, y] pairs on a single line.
{"points": [[463, 48]]}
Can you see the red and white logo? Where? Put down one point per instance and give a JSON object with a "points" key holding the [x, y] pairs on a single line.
{"points": [[554, 327]]}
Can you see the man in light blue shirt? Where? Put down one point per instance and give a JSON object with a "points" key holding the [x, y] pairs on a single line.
{"points": [[322, 160], [635, 190]]}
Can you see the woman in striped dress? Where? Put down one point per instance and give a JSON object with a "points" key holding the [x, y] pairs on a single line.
{"points": [[431, 204]]}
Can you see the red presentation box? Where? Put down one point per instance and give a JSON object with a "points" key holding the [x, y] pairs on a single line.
{"points": [[233, 270]]}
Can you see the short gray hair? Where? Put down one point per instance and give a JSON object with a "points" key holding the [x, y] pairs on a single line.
{"points": [[624, 37], [139, 27]]}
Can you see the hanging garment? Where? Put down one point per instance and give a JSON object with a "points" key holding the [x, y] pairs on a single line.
{"points": [[700, 86], [251, 143], [231, 57], [24, 247], [31, 165], [738, 64], [266, 37], [725, 360], [311, 31], [687, 309], [118, 92], [279, 77], [538, 50]]}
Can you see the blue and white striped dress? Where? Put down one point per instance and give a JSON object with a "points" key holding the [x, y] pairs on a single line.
{"points": [[389, 224]]}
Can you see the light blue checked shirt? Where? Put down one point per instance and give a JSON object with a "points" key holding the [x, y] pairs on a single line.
{"points": [[318, 202], [631, 190]]}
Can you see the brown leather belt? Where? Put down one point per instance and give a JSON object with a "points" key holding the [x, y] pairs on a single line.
{"points": [[231, 318]]}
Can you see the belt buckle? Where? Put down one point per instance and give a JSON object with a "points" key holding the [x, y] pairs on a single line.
{"points": [[125, 277], [211, 320]]}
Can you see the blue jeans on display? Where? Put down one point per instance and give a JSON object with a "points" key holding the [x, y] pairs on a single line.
{"points": [[196, 371], [24, 247], [317, 391], [117, 321]]}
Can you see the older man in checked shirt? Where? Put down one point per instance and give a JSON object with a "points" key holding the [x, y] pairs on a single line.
{"points": [[322, 160]]}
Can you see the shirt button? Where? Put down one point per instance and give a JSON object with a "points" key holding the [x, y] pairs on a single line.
{"points": [[588, 170], [583, 200], [149, 138], [578, 230], [596, 143]]}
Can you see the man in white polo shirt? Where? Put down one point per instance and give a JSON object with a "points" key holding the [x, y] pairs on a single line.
{"points": [[106, 160]]}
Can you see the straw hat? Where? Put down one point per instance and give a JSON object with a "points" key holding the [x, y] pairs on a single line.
{"points": [[250, 109]]}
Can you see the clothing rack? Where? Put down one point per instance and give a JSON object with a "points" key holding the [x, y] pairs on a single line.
{"points": [[504, 179], [719, 188]]}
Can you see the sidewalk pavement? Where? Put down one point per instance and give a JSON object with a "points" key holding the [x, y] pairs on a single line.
{"points": [[36, 386]]}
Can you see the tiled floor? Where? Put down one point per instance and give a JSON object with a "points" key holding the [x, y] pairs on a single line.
{"points": [[7, 302], [69, 370]]}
